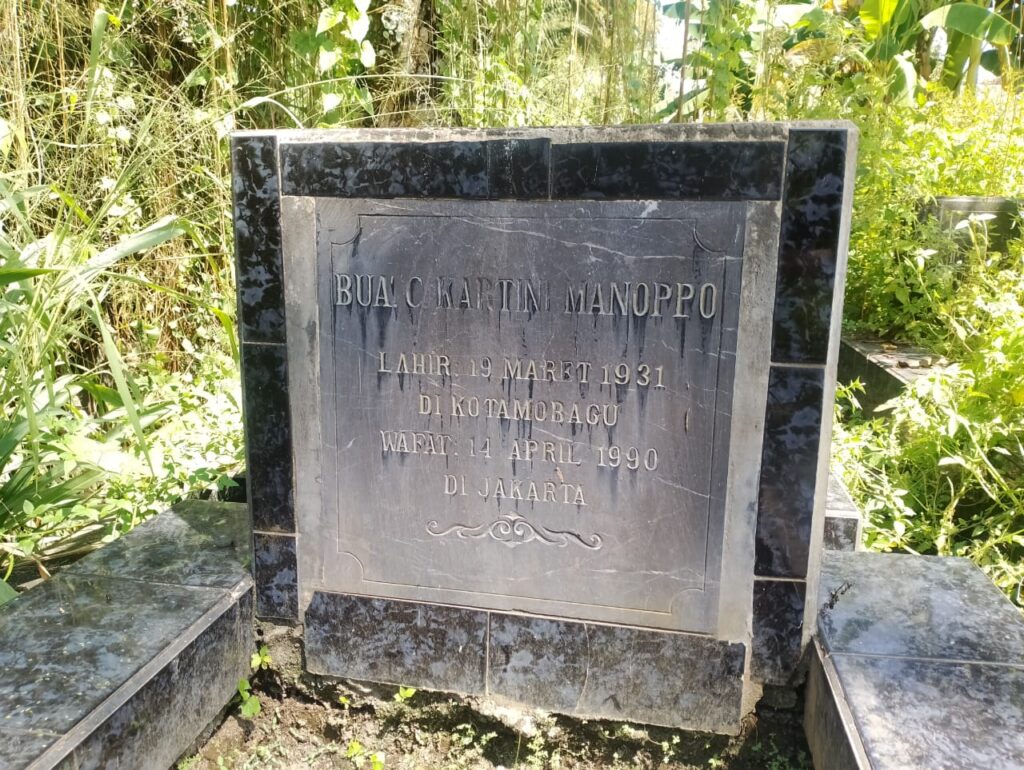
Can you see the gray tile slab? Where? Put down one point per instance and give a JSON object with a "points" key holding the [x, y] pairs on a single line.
{"points": [[65, 645], [826, 720], [161, 719], [19, 747], [275, 571], [842, 533], [198, 543], [614, 672], [935, 715], [838, 497], [405, 643], [916, 606], [776, 646]]}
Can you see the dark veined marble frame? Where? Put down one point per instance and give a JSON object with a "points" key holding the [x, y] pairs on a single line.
{"points": [[805, 170]]}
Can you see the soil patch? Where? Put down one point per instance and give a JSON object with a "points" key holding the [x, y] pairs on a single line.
{"points": [[346, 725]]}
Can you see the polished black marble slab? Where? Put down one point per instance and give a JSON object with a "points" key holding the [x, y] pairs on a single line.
{"points": [[385, 169], [777, 170], [809, 245], [778, 629], [87, 633], [257, 221], [842, 533], [916, 606], [924, 661], [518, 168], [831, 736], [931, 715], [205, 544], [405, 643], [615, 672], [842, 518], [268, 437], [724, 171], [123, 658], [275, 569], [789, 467], [584, 669], [535, 169], [837, 498], [153, 727]]}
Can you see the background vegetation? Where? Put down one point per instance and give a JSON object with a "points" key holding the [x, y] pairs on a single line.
{"points": [[118, 377]]}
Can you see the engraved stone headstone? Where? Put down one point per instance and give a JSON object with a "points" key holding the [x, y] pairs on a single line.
{"points": [[539, 414]]}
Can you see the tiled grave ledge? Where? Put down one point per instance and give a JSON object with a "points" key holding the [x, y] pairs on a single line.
{"points": [[842, 517], [919, 665], [122, 659], [884, 370]]}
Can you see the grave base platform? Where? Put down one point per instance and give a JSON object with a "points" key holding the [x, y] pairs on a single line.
{"points": [[124, 658], [586, 670], [917, 666]]}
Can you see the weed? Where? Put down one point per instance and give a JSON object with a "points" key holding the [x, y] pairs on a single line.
{"points": [[250, 706], [260, 660], [404, 694], [359, 756]]}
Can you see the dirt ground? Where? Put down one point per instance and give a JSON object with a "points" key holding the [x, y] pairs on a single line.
{"points": [[347, 725]]}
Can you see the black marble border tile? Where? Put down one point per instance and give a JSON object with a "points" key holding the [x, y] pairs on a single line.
{"points": [[592, 670], [385, 169], [721, 171], [535, 169], [519, 169], [789, 469], [812, 213], [257, 220], [778, 621], [432, 646], [268, 437], [275, 572]]}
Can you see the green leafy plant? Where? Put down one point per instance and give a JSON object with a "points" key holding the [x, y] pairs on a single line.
{"points": [[250, 706], [404, 694], [359, 756], [260, 660]]}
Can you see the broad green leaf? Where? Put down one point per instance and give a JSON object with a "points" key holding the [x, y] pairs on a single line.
{"points": [[329, 18], [6, 593], [904, 79], [358, 27], [973, 21], [125, 387], [330, 101], [991, 62], [367, 55], [250, 707], [674, 10], [875, 15], [15, 274], [327, 58]]}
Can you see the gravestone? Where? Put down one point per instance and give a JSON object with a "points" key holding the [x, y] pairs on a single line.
{"points": [[543, 415]]}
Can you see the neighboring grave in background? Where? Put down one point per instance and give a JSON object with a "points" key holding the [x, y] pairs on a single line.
{"points": [[538, 414]]}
